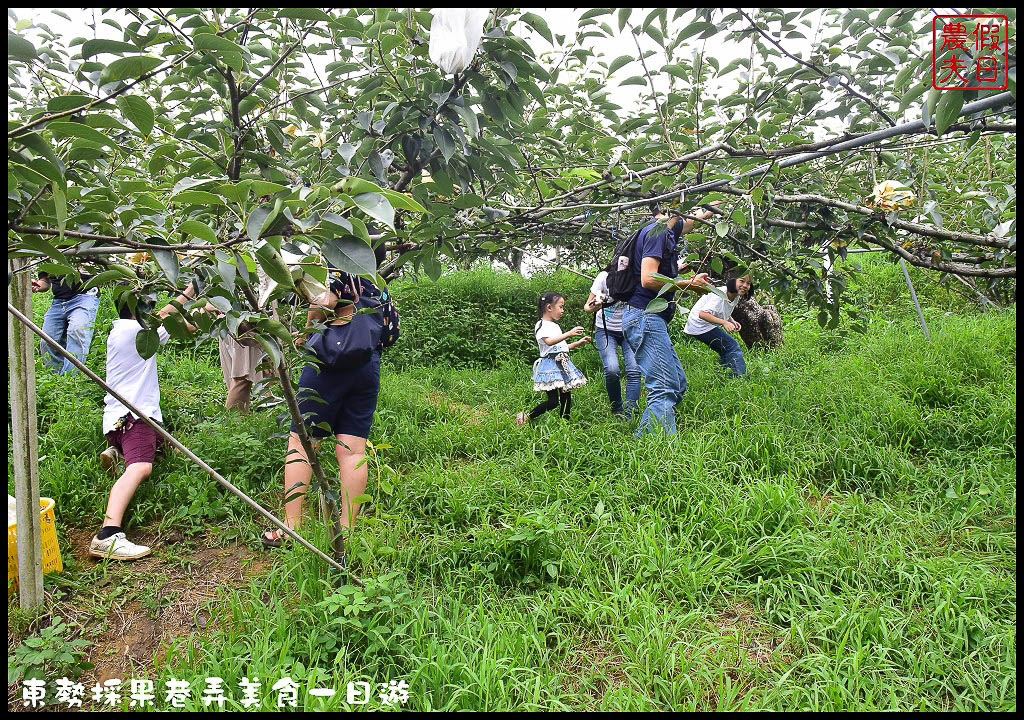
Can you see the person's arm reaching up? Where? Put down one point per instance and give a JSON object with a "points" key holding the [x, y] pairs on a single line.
{"points": [[170, 307]]}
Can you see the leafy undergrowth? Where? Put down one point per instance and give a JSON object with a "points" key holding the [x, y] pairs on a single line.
{"points": [[837, 531]]}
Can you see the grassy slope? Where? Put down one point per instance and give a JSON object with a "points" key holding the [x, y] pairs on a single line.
{"points": [[836, 532]]}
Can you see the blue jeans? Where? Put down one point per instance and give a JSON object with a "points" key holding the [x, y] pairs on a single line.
{"points": [[71, 323], [729, 353], [656, 356], [608, 344]]}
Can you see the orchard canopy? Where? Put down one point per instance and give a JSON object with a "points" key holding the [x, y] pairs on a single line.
{"points": [[202, 144]]}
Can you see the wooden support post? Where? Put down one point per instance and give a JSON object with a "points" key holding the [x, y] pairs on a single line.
{"points": [[21, 366]]}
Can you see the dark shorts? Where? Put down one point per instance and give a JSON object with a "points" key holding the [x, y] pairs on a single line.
{"points": [[136, 440], [347, 399]]}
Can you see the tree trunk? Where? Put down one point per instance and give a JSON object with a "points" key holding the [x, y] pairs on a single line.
{"points": [[761, 324]]}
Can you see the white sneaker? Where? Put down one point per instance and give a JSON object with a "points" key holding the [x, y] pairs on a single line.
{"points": [[117, 547], [110, 459]]}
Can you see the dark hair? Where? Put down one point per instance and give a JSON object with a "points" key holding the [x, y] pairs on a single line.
{"points": [[548, 298], [380, 254], [654, 207], [123, 311]]}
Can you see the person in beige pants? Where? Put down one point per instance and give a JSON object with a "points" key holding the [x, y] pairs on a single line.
{"points": [[239, 363], [239, 360]]}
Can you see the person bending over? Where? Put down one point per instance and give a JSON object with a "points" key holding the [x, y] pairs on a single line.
{"points": [[70, 320], [646, 332], [710, 321], [127, 435]]}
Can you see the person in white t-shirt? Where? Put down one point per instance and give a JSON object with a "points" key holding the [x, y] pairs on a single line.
{"points": [[553, 372], [128, 436], [710, 321], [609, 340]]}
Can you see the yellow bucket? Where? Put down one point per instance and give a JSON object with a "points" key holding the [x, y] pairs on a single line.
{"points": [[51, 552]]}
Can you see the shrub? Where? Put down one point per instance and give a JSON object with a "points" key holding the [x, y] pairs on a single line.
{"points": [[478, 318]]}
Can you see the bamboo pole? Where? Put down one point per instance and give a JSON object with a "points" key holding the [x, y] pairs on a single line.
{"points": [[173, 441], [21, 365]]}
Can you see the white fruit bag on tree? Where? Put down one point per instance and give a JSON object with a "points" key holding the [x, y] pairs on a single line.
{"points": [[455, 36]]}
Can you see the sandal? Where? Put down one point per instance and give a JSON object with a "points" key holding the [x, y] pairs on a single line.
{"points": [[277, 538]]}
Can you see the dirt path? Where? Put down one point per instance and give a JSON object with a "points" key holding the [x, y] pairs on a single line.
{"points": [[132, 612]]}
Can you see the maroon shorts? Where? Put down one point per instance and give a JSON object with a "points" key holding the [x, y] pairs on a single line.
{"points": [[136, 440]]}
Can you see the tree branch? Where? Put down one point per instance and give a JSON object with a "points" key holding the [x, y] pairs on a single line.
{"points": [[842, 83]]}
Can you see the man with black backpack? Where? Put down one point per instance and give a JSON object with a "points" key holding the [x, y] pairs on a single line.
{"points": [[653, 250]]}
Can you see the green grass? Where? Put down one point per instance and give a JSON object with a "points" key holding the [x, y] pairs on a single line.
{"points": [[835, 532]]}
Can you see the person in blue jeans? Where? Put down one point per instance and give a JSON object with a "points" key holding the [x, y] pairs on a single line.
{"points": [[609, 340], [70, 320], [710, 321], [647, 332]]}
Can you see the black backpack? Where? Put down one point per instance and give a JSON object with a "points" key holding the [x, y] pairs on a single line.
{"points": [[621, 280]]}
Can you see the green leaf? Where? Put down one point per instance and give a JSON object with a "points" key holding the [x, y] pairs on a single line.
{"points": [[147, 342], [356, 185], [138, 112], [619, 62], [624, 17], [197, 197], [39, 244], [350, 254], [79, 130], [271, 348], [168, 262], [928, 111], [273, 265], [305, 14], [432, 266], [275, 328], [128, 68], [538, 23], [445, 142], [657, 305], [187, 183], [402, 201], [376, 206], [947, 110], [216, 43], [469, 117], [19, 48], [677, 70], [67, 102], [200, 230], [694, 29], [118, 273], [259, 220], [262, 187], [468, 200], [722, 228], [97, 46]]}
